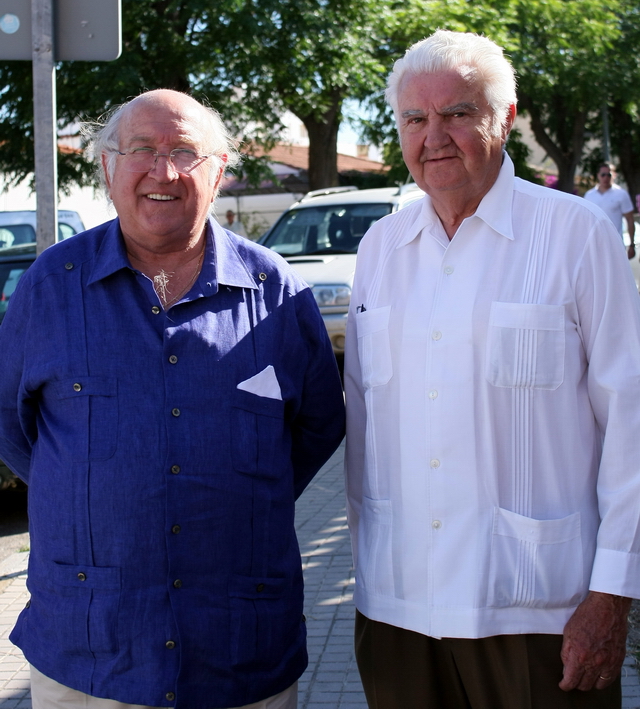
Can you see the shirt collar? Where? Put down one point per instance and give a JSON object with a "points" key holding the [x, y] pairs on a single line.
{"points": [[222, 264], [223, 260], [495, 208], [491, 209]]}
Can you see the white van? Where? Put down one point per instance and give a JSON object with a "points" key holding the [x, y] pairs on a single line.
{"points": [[319, 237]]}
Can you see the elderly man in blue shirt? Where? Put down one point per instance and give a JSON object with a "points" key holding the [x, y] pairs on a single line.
{"points": [[168, 391]]}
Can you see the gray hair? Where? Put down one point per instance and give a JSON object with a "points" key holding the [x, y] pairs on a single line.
{"points": [[103, 138], [471, 55]]}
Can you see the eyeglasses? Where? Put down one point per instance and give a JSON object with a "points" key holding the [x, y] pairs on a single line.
{"points": [[605, 174], [144, 159]]}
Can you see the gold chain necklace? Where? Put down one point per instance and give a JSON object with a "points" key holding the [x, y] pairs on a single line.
{"points": [[162, 280]]}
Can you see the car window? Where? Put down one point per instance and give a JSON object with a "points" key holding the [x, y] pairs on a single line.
{"points": [[65, 231], [10, 274], [326, 229], [15, 234]]}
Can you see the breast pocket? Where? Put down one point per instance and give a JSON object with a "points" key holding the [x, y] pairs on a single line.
{"points": [[88, 407], [525, 345], [258, 435], [374, 347]]}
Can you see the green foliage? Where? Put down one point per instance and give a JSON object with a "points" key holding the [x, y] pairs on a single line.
{"points": [[254, 59], [163, 47], [560, 51], [519, 152]]}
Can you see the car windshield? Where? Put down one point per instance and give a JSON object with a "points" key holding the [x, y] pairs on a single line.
{"points": [[9, 276], [335, 229]]}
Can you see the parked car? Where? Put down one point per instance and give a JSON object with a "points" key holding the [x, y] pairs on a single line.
{"points": [[18, 228], [17, 253], [319, 237]]}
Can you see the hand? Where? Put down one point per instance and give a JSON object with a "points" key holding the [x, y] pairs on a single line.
{"points": [[631, 251], [594, 644]]}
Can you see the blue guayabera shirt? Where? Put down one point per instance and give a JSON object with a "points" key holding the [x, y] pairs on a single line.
{"points": [[164, 567]]}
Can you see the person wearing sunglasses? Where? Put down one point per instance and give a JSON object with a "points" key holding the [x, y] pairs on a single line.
{"points": [[614, 202]]}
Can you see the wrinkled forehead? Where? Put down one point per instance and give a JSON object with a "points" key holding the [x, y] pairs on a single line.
{"points": [[443, 88], [153, 120]]}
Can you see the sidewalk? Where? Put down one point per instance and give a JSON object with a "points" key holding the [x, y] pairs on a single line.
{"points": [[331, 680]]}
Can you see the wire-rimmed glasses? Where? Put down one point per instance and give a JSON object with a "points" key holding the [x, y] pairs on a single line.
{"points": [[182, 160]]}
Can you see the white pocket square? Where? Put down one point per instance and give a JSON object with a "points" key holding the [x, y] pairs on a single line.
{"points": [[265, 383]]}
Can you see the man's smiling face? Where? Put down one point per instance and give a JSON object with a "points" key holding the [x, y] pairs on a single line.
{"points": [[161, 208], [450, 141]]}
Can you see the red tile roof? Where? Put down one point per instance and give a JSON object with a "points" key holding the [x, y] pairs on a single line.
{"points": [[298, 156]]}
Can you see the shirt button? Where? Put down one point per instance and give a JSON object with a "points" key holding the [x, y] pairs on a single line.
{"points": [[176, 529], [155, 309], [433, 394], [69, 266], [77, 387], [173, 359], [175, 469], [82, 577], [260, 588], [170, 696], [175, 412], [448, 270], [437, 335], [262, 276], [436, 524], [177, 583], [435, 463], [169, 644]]}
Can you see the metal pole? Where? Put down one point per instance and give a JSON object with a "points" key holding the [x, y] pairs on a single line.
{"points": [[44, 123]]}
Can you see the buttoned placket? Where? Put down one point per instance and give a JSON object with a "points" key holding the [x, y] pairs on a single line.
{"points": [[437, 344]]}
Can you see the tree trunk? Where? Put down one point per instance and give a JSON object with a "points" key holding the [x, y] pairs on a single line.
{"points": [[626, 140], [567, 158], [323, 144]]}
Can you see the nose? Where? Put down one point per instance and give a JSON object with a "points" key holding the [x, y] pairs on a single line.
{"points": [[163, 168], [436, 135]]}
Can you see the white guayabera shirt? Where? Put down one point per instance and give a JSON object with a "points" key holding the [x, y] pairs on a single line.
{"points": [[493, 396]]}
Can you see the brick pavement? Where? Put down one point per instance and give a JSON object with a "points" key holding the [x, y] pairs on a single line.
{"points": [[331, 680]]}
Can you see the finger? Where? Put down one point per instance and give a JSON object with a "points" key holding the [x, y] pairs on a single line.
{"points": [[605, 678], [571, 678]]}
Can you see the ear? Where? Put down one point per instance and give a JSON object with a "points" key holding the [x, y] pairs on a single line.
{"points": [[223, 158], [508, 122]]}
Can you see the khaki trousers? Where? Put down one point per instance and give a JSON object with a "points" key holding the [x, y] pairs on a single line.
{"points": [[401, 669], [49, 694]]}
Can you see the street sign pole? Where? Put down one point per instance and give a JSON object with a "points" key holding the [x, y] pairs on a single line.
{"points": [[44, 124]]}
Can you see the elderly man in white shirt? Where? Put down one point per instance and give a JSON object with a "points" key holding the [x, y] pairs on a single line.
{"points": [[492, 377]]}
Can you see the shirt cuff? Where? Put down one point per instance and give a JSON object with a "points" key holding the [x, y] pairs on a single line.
{"points": [[616, 572]]}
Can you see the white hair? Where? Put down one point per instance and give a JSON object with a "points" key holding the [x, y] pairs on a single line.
{"points": [[470, 54], [103, 138]]}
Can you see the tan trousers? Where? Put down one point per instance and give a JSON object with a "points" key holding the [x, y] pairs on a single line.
{"points": [[49, 694], [401, 669]]}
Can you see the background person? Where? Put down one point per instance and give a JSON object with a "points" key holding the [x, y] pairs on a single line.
{"points": [[168, 391], [492, 376], [233, 224], [614, 202]]}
